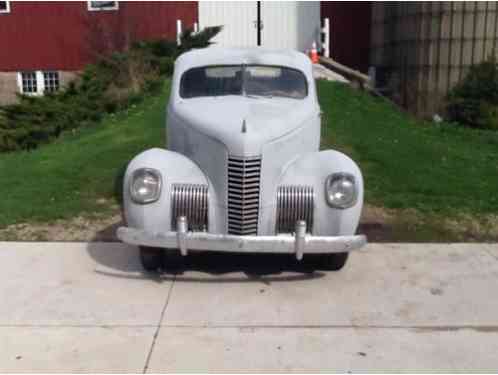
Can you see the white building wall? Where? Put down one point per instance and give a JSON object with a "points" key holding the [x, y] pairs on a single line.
{"points": [[237, 17], [291, 24]]}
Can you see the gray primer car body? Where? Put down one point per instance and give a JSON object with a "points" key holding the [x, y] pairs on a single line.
{"points": [[203, 132]]}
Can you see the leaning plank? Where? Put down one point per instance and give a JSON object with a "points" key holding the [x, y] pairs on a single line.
{"points": [[353, 75]]}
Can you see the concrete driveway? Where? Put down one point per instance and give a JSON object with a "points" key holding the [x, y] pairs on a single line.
{"points": [[88, 307]]}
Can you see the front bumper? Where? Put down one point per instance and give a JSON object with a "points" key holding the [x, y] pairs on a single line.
{"points": [[299, 244]]}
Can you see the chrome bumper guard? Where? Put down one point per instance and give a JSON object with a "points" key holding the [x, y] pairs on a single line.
{"points": [[299, 243]]}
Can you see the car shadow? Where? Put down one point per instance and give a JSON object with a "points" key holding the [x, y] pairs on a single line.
{"points": [[115, 259]]}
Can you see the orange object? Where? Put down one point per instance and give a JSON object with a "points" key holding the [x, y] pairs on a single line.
{"points": [[314, 54]]}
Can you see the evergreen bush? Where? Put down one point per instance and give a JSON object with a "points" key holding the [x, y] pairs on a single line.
{"points": [[111, 84], [474, 101]]}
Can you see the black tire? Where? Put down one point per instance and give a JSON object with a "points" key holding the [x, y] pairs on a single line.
{"points": [[173, 261], [327, 262], [152, 258]]}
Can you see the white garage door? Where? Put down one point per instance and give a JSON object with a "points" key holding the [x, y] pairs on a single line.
{"points": [[292, 24], [239, 20]]}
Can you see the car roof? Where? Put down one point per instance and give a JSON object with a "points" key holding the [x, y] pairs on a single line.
{"points": [[238, 56]]}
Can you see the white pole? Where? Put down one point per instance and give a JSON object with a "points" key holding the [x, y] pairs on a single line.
{"points": [[196, 27], [326, 39], [179, 32], [372, 73]]}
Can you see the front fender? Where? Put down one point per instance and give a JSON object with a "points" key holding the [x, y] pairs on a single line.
{"points": [[174, 168], [313, 169]]}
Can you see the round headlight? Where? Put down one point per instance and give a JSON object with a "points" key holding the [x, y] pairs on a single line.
{"points": [[145, 186], [340, 190]]}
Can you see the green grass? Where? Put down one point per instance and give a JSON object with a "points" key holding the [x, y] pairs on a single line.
{"points": [[437, 170], [71, 176], [441, 169]]}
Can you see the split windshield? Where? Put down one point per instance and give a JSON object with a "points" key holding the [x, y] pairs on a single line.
{"points": [[247, 80]]}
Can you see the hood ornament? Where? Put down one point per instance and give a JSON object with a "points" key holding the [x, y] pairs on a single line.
{"points": [[244, 126]]}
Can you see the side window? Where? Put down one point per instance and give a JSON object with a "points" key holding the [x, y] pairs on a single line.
{"points": [[103, 5], [4, 7], [38, 82]]}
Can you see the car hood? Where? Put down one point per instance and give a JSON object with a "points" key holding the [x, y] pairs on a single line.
{"points": [[244, 124]]}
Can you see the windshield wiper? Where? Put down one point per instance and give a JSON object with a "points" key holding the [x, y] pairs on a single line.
{"points": [[258, 96]]}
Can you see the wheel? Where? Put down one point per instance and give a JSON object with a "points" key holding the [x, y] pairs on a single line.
{"points": [[327, 262], [335, 262], [173, 261], [152, 258]]}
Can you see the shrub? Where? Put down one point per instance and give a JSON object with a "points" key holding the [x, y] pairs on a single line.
{"points": [[474, 101], [199, 40], [113, 83]]}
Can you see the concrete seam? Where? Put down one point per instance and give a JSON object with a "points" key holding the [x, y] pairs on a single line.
{"points": [[484, 327], [103, 326], [158, 328]]}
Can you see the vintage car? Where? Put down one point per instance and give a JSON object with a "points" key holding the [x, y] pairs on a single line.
{"points": [[242, 171]]}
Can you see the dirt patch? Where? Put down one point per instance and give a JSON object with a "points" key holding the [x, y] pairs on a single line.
{"points": [[469, 227], [409, 225], [378, 223], [81, 228], [375, 222]]}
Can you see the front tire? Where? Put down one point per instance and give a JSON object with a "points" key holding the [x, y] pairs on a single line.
{"points": [[152, 258], [328, 262], [173, 261]]}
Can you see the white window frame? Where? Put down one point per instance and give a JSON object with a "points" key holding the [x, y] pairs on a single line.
{"points": [[40, 81], [7, 10], [58, 80], [99, 9]]}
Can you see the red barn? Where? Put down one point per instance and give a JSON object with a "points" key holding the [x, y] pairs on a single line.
{"points": [[43, 44], [350, 24]]}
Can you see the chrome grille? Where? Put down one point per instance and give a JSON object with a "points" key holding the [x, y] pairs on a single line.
{"points": [[294, 203], [191, 201], [243, 195]]}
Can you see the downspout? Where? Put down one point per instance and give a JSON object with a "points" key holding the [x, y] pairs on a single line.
{"points": [[258, 20]]}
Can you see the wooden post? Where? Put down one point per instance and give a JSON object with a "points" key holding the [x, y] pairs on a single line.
{"points": [[354, 76]]}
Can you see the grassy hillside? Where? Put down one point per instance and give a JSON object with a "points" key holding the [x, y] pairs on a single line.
{"points": [[409, 164], [435, 171], [80, 173]]}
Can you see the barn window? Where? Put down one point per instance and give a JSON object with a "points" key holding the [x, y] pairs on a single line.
{"points": [[4, 6], [38, 82], [103, 5], [29, 83], [50, 81]]}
